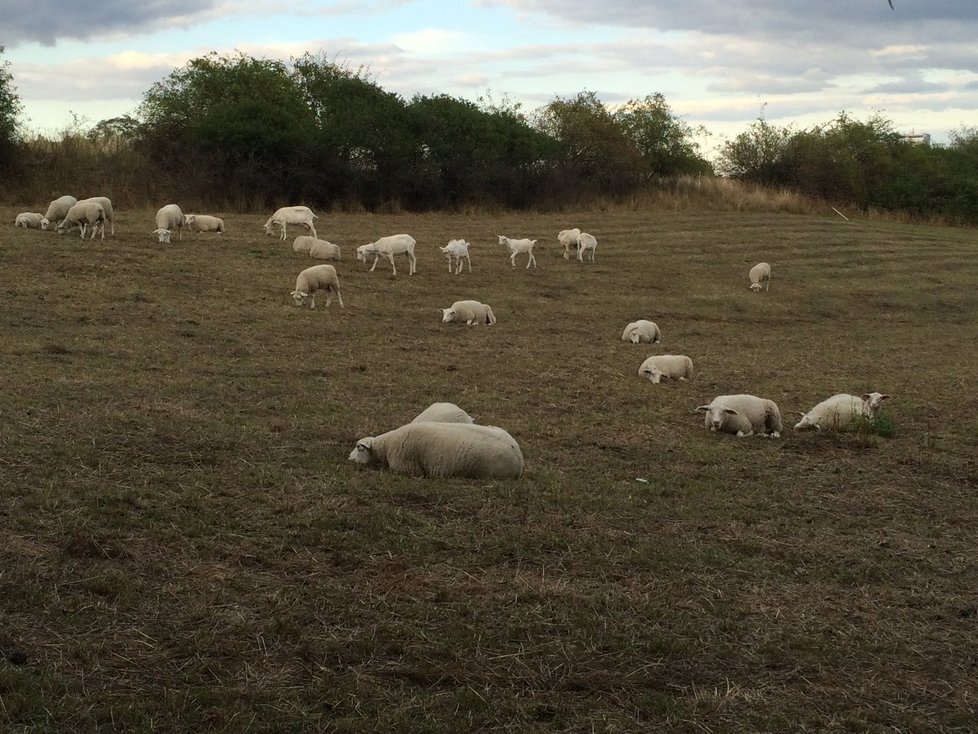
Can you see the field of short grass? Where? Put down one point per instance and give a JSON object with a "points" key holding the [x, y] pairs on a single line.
{"points": [[185, 547]]}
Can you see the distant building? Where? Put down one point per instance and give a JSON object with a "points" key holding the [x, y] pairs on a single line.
{"points": [[917, 138]]}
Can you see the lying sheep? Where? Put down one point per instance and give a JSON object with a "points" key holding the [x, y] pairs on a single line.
{"points": [[568, 238], [641, 331], [586, 243], [743, 415], [760, 273], [459, 250], [57, 210], [842, 412], [443, 413], [387, 247], [81, 215], [443, 450], [169, 218], [203, 223], [324, 250], [29, 220], [517, 247], [471, 312], [291, 215], [661, 367], [316, 278]]}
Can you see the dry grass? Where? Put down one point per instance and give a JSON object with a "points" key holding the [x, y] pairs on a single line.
{"points": [[184, 547]]}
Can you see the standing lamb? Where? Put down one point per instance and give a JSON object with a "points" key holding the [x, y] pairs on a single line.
{"points": [[81, 215], [57, 210], [517, 247], [443, 413], [760, 274], [291, 215], [842, 412], [443, 450], [169, 218], [387, 247], [471, 312], [203, 223], [457, 250], [316, 278], [29, 220], [661, 367], [568, 238], [743, 415], [641, 331], [586, 243]]}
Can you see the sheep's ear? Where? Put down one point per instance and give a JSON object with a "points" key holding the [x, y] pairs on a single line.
{"points": [[884, 397], [801, 414], [702, 409], [730, 411]]}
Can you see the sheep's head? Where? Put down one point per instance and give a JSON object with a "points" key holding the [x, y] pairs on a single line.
{"points": [[45, 223], [716, 415], [653, 374], [363, 251], [448, 315], [267, 229], [189, 219], [634, 336], [300, 297], [503, 240], [807, 422], [756, 287], [363, 452], [163, 234], [874, 402]]}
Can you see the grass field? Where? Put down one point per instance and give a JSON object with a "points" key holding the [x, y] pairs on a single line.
{"points": [[185, 547]]}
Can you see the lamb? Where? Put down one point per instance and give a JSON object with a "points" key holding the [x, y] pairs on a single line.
{"points": [[310, 280], [106, 203], [760, 273], [317, 248], [517, 247], [743, 415], [29, 220], [459, 250], [291, 215], [169, 218], [81, 215], [641, 331], [387, 247], [661, 367], [203, 223], [586, 243], [57, 210], [842, 412], [471, 312], [568, 238], [443, 450], [443, 413]]}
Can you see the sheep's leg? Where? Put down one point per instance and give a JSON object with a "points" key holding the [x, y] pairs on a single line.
{"points": [[531, 259], [312, 300], [512, 259], [339, 297], [393, 267], [469, 260], [412, 263]]}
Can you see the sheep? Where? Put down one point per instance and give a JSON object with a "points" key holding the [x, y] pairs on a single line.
{"points": [[57, 210], [443, 413], [641, 331], [443, 450], [169, 218], [291, 215], [387, 247], [471, 312], [203, 223], [517, 247], [660, 367], [106, 203], [81, 215], [459, 250], [568, 238], [586, 243], [29, 220], [310, 280], [842, 412], [760, 273], [743, 415], [319, 249]]}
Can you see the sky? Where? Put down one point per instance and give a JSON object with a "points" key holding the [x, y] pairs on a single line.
{"points": [[720, 64]]}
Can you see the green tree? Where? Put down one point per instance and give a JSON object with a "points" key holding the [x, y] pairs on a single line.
{"points": [[10, 109], [757, 155], [664, 141]]}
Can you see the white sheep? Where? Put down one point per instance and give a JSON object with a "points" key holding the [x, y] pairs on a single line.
{"points": [[317, 248], [471, 312], [568, 238], [661, 367], [743, 415], [203, 223], [517, 247], [81, 215], [641, 331], [169, 218], [760, 274], [57, 210], [316, 278], [29, 220], [387, 247], [457, 250], [586, 243], [106, 203], [443, 413], [842, 412], [443, 450], [291, 215]]}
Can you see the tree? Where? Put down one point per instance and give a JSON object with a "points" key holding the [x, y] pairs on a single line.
{"points": [[10, 109], [664, 141], [757, 155]]}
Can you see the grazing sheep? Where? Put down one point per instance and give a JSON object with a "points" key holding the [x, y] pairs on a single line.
{"points": [[568, 238], [29, 220], [316, 278], [743, 415], [760, 273], [291, 215], [106, 203], [81, 215], [586, 243], [203, 223], [387, 247], [471, 312], [57, 210], [517, 247], [641, 331], [443, 413], [443, 450], [169, 218], [661, 367], [459, 250], [842, 412]]}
